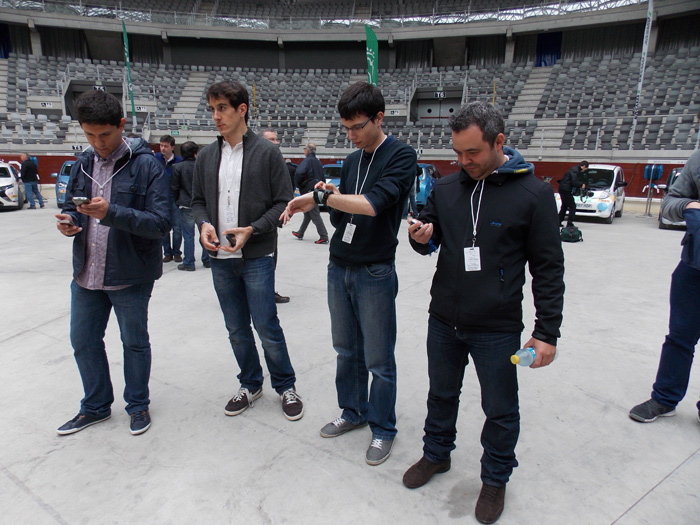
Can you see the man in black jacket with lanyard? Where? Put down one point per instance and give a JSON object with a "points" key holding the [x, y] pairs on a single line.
{"points": [[362, 282], [488, 220], [571, 180]]}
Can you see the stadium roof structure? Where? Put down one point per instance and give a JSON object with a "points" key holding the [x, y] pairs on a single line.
{"points": [[280, 14]]}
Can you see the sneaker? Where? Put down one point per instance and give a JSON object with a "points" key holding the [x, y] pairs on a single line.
{"points": [[321, 241], [140, 422], [298, 235], [78, 423], [292, 406], [420, 473], [243, 399], [32, 208], [167, 258], [281, 298], [42, 206], [338, 427], [489, 506], [207, 263], [651, 410], [185, 268], [378, 451], [177, 258]]}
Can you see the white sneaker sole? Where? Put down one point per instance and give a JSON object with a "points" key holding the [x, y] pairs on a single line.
{"points": [[642, 420]]}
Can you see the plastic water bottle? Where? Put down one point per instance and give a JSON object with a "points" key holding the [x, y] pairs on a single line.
{"points": [[525, 356]]}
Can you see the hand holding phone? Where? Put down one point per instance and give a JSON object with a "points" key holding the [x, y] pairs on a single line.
{"points": [[231, 239], [414, 221], [80, 200]]}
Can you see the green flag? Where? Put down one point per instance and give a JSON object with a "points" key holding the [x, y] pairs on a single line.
{"points": [[128, 75], [372, 55]]}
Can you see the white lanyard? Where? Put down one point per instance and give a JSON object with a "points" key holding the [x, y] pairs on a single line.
{"points": [[478, 209], [357, 182], [101, 186]]}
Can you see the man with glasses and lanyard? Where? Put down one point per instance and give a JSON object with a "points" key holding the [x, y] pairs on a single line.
{"points": [[362, 283]]}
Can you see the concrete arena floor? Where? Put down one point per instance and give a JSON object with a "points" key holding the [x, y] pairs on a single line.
{"points": [[582, 460]]}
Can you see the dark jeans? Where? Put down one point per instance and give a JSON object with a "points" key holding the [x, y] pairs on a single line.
{"points": [[362, 303], [246, 291], [188, 234], [32, 189], [567, 202], [448, 355], [683, 334], [89, 314], [174, 248], [314, 214]]}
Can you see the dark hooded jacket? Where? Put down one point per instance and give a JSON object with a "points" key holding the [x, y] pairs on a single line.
{"points": [[138, 215], [571, 179], [517, 224]]}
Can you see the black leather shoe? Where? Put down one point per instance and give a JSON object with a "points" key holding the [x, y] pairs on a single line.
{"points": [[420, 473], [281, 298]]}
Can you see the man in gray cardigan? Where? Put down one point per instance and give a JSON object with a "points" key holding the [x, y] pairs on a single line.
{"points": [[241, 186]]}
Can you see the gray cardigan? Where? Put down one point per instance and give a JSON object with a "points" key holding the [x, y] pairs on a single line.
{"points": [[265, 191]]}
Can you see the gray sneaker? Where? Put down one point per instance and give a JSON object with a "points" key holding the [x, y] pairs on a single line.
{"points": [[241, 401], [378, 451], [651, 410], [338, 427]]}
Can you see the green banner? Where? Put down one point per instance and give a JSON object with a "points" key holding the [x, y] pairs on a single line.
{"points": [[372, 55], [128, 76]]}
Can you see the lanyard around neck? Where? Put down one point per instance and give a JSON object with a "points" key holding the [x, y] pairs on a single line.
{"points": [[101, 186], [475, 219], [357, 182]]}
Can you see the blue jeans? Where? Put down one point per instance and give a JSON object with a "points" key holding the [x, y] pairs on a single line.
{"points": [[31, 189], [362, 304], [174, 248], [448, 356], [246, 290], [89, 314], [683, 333], [188, 233]]}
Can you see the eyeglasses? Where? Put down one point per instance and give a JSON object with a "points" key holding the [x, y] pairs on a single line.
{"points": [[357, 127]]}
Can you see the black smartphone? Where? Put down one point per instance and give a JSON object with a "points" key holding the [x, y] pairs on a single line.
{"points": [[80, 200], [231, 239]]}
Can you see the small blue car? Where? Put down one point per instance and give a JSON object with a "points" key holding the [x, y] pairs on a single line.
{"points": [[62, 182], [425, 183]]}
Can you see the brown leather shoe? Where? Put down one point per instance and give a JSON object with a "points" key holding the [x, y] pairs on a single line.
{"points": [[490, 503], [167, 258], [420, 473], [178, 258]]}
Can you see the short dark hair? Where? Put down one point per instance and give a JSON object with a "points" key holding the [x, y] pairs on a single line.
{"points": [[266, 130], [482, 114], [188, 150], [361, 98], [235, 92], [98, 107], [168, 139], [583, 163]]}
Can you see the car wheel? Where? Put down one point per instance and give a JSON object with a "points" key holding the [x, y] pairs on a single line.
{"points": [[662, 225], [619, 213], [20, 203], [609, 220]]}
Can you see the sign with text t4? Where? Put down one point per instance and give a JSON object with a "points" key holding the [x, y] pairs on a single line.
{"points": [[372, 55]]}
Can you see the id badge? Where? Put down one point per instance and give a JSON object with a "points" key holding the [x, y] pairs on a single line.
{"points": [[349, 232], [472, 259], [229, 217]]}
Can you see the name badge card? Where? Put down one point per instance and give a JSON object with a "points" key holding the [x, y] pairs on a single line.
{"points": [[349, 232], [472, 259]]}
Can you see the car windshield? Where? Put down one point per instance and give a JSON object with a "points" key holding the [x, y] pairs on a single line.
{"points": [[331, 172], [5, 173], [598, 178]]}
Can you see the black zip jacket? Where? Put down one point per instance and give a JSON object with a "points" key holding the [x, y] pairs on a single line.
{"points": [[517, 224], [571, 179]]}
